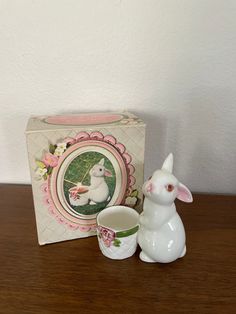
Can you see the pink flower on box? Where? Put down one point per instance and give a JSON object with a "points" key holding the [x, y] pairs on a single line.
{"points": [[107, 235], [50, 160]]}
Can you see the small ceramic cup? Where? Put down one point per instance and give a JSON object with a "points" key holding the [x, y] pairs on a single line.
{"points": [[117, 228]]}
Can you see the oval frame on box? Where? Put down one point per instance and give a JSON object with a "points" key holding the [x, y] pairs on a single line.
{"points": [[84, 142]]}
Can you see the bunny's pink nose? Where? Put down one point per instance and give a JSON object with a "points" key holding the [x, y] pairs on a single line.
{"points": [[149, 187]]}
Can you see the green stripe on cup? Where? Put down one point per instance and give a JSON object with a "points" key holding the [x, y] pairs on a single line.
{"points": [[126, 233]]}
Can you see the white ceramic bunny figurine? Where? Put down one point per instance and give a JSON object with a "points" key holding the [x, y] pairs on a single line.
{"points": [[96, 192], [161, 235]]}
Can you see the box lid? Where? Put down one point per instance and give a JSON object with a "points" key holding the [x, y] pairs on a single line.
{"points": [[89, 120]]}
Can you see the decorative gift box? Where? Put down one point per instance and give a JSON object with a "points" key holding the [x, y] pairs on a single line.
{"points": [[81, 164]]}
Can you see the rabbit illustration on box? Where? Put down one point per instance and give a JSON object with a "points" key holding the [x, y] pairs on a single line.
{"points": [[161, 235], [96, 192]]}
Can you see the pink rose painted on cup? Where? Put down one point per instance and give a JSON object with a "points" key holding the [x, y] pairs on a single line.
{"points": [[107, 235], [50, 160]]}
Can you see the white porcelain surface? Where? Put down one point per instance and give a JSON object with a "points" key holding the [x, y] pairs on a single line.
{"points": [[161, 235]]}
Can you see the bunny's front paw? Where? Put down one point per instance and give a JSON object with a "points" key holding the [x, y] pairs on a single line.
{"points": [[92, 203], [143, 220], [184, 252], [145, 258]]}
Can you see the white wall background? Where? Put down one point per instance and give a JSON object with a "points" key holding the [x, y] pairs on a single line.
{"points": [[171, 61]]}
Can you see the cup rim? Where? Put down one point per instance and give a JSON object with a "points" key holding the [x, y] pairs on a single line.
{"points": [[122, 231]]}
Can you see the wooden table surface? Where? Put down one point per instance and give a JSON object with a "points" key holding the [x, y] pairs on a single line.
{"points": [[74, 277]]}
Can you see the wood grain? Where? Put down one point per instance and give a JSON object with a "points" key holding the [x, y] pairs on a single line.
{"points": [[74, 277]]}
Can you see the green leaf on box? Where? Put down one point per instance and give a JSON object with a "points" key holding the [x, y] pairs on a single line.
{"points": [[49, 170], [40, 164], [52, 148], [134, 193]]}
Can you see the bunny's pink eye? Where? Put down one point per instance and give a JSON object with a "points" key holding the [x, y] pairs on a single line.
{"points": [[170, 187]]}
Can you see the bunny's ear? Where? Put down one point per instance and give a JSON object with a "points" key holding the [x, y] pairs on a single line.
{"points": [[101, 162], [168, 163], [107, 173], [184, 194]]}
